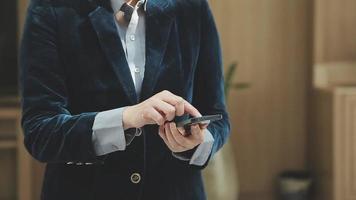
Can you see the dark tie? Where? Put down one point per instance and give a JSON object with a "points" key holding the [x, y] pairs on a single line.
{"points": [[127, 11]]}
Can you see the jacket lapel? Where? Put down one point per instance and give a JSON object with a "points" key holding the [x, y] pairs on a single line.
{"points": [[159, 20], [103, 22], [158, 26]]}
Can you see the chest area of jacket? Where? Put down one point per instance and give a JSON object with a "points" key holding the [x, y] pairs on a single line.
{"points": [[87, 55]]}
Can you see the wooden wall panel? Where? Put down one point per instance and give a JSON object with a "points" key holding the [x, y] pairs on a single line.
{"points": [[335, 30], [271, 40], [344, 143], [333, 143], [321, 144], [22, 8]]}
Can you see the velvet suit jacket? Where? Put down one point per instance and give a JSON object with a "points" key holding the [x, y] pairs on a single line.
{"points": [[72, 66]]}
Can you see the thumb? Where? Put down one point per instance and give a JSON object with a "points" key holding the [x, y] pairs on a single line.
{"points": [[203, 126], [188, 108]]}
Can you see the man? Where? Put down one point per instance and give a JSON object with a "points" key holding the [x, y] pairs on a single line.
{"points": [[102, 82]]}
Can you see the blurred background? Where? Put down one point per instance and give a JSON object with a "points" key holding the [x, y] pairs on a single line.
{"points": [[291, 83]]}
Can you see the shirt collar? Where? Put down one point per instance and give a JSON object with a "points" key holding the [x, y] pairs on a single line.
{"points": [[116, 4]]}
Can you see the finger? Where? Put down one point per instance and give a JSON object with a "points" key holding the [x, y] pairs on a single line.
{"points": [[180, 108], [174, 100], [175, 146], [182, 131], [162, 134], [166, 108], [179, 138], [169, 97], [197, 133], [203, 126], [153, 115], [188, 108]]}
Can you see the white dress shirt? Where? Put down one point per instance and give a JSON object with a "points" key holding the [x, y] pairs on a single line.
{"points": [[108, 132]]}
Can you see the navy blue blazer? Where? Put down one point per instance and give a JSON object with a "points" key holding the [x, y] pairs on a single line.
{"points": [[73, 66]]}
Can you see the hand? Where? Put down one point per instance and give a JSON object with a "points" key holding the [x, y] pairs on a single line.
{"points": [[158, 109], [177, 139]]}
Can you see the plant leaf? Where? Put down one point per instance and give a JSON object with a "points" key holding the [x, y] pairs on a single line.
{"points": [[228, 77], [240, 86]]}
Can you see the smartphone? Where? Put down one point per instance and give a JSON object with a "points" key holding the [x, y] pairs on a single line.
{"points": [[198, 120]]}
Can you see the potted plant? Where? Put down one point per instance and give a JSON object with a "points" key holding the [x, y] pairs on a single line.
{"points": [[220, 177]]}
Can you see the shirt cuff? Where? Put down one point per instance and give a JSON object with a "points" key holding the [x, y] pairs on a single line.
{"points": [[108, 132], [202, 153]]}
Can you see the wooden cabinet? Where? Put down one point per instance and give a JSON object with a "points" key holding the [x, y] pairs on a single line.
{"points": [[332, 142], [8, 154], [20, 175]]}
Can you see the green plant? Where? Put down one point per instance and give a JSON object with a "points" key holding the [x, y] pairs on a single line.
{"points": [[229, 84]]}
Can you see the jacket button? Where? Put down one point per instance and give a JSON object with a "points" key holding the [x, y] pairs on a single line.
{"points": [[135, 178]]}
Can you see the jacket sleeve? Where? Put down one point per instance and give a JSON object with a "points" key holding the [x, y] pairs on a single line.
{"points": [[208, 93], [52, 133]]}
